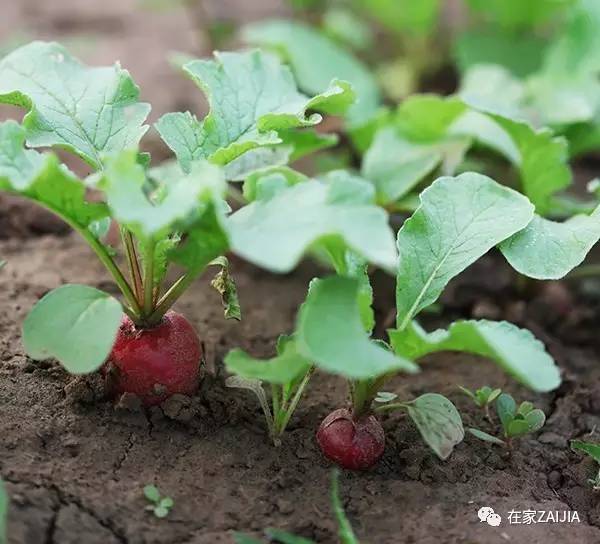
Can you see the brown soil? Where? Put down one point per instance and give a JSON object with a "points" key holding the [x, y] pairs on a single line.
{"points": [[75, 464]]}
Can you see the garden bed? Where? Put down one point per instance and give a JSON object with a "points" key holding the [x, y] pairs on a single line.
{"points": [[75, 465]]}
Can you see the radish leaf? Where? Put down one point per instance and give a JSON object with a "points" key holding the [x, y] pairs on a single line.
{"points": [[75, 324], [89, 111], [275, 233], [438, 422], [330, 333], [459, 220], [301, 46], [252, 96], [515, 350]]}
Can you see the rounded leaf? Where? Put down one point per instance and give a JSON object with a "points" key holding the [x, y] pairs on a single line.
{"points": [[75, 324]]}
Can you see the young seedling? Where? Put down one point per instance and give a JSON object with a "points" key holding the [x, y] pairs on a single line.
{"points": [[288, 375], [166, 216], [516, 421], [592, 450], [345, 531], [482, 397], [458, 221], [161, 506], [3, 512]]}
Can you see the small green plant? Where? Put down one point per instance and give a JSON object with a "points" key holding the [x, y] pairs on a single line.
{"points": [[482, 397], [516, 420], [3, 512], [161, 506], [593, 450], [345, 531]]}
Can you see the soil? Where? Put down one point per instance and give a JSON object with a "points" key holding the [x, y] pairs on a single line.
{"points": [[75, 463]]}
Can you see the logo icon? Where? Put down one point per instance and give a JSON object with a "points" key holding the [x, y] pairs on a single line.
{"points": [[487, 514]]}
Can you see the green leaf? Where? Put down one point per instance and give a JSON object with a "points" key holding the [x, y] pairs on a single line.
{"points": [[506, 409], [316, 60], [345, 531], [515, 350], [330, 333], [181, 199], [396, 166], [264, 184], [225, 285], [3, 512], [282, 369], [438, 422], [486, 437], [459, 220], [402, 17], [89, 111], [152, 493], [548, 249], [517, 427], [276, 233], [252, 97], [75, 324], [593, 450], [257, 159], [161, 512], [519, 14], [543, 164], [167, 502], [41, 178], [535, 419]]}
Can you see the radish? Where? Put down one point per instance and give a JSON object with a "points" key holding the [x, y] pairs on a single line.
{"points": [[352, 443], [155, 363]]}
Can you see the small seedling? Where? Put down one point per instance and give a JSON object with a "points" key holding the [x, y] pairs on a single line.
{"points": [[345, 531], [516, 421], [593, 450], [483, 397], [161, 506]]}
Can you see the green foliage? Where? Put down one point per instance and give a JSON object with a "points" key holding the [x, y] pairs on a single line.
{"points": [[518, 421], [519, 14], [459, 220], [161, 506], [438, 422], [316, 60], [593, 451], [76, 325], [330, 333], [276, 231], [403, 16], [483, 396], [89, 111], [515, 350], [244, 117]]}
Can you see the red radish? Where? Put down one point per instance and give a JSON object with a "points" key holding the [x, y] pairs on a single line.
{"points": [[354, 444], [155, 363]]}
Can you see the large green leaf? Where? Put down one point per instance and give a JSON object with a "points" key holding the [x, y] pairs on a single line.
{"points": [[41, 178], [459, 220], [89, 111], [438, 422], [518, 14], [252, 97], [283, 369], [548, 250], [316, 60], [181, 196], [75, 324], [330, 333], [593, 450], [275, 233], [515, 350], [403, 16]]}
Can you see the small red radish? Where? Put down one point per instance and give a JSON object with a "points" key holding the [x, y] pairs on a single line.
{"points": [[355, 444], [157, 362]]}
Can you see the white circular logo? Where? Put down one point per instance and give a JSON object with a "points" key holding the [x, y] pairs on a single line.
{"points": [[487, 514]]}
